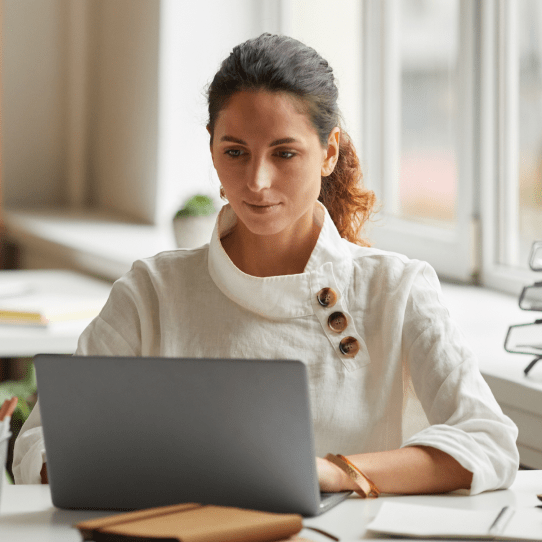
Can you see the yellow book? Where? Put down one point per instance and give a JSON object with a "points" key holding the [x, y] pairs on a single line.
{"points": [[41, 309]]}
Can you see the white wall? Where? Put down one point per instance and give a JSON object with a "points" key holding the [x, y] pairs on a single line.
{"points": [[188, 61], [33, 96], [335, 35], [109, 94], [123, 105]]}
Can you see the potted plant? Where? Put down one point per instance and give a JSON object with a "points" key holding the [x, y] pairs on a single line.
{"points": [[25, 389], [193, 224]]}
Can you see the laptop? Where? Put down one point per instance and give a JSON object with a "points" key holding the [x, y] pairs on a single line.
{"points": [[125, 433]]}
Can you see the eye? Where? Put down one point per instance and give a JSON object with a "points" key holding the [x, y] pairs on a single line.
{"points": [[233, 153], [286, 154]]}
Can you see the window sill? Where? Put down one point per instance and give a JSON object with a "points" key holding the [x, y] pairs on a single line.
{"points": [[105, 246], [95, 242]]}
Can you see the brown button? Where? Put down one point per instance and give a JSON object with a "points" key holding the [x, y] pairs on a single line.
{"points": [[326, 297], [337, 322], [349, 346]]}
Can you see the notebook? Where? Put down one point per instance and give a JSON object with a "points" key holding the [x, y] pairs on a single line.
{"points": [[43, 308], [419, 521], [127, 433]]}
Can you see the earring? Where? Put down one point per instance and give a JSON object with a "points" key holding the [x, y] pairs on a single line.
{"points": [[223, 194]]}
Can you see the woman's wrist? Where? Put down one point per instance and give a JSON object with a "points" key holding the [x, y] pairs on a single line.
{"points": [[345, 482], [331, 478], [338, 477], [357, 480]]}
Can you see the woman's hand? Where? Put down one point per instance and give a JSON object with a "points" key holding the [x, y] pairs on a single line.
{"points": [[330, 477]]}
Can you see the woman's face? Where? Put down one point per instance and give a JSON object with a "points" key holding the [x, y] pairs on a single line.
{"points": [[270, 161]]}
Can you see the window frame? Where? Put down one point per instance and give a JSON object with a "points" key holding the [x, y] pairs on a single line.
{"points": [[499, 148], [451, 250]]}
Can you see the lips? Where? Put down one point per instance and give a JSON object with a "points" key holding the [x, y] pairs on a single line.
{"points": [[263, 207], [262, 204]]}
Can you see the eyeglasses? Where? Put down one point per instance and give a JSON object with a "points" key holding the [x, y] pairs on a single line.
{"points": [[527, 338], [535, 259]]}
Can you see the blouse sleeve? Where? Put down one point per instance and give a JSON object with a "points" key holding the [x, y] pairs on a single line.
{"points": [[129, 323], [466, 420], [124, 327]]}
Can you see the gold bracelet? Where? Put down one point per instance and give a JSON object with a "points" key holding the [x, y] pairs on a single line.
{"points": [[366, 486]]}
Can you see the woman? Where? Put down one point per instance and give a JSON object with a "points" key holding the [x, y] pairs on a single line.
{"points": [[286, 275]]}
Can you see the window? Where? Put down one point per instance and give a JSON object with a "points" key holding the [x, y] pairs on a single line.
{"points": [[442, 98], [530, 125], [426, 186], [418, 130], [508, 138], [450, 132]]}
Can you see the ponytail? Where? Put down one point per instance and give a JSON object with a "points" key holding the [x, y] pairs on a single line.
{"points": [[348, 202]]}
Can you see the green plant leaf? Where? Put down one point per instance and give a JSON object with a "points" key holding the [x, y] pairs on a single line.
{"points": [[198, 205], [23, 389]]}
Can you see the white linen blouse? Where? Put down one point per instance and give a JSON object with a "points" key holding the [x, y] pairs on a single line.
{"points": [[413, 381]]}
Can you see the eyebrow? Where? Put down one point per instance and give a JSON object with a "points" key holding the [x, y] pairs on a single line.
{"points": [[282, 141]]}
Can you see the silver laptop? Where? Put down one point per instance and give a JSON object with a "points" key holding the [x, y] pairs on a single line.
{"points": [[127, 433]]}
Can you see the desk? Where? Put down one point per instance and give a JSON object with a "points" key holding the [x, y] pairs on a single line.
{"points": [[26, 512], [60, 337]]}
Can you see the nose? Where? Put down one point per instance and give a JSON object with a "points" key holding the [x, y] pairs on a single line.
{"points": [[260, 175]]}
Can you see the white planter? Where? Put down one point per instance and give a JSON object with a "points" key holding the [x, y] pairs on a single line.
{"points": [[193, 231]]}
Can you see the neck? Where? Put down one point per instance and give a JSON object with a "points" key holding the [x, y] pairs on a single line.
{"points": [[285, 253]]}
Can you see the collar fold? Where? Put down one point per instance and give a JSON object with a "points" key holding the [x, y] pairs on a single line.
{"points": [[284, 296]]}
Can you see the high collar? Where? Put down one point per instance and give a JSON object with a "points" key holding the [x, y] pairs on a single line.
{"points": [[283, 296]]}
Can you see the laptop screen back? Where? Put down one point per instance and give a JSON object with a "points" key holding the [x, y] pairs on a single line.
{"points": [[127, 433]]}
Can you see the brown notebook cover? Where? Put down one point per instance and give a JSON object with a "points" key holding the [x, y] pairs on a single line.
{"points": [[192, 523]]}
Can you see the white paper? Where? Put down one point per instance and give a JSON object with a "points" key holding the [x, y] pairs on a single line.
{"points": [[432, 521], [526, 524], [440, 522]]}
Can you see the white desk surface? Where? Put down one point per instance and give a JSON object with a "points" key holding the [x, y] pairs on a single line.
{"points": [[60, 337], [26, 512]]}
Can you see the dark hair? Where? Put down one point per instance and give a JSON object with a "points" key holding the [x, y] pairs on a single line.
{"points": [[282, 64]]}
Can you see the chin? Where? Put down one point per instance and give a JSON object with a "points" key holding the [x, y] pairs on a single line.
{"points": [[264, 229], [263, 221]]}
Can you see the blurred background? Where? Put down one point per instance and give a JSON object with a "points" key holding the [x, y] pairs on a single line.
{"points": [[103, 140], [103, 115]]}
